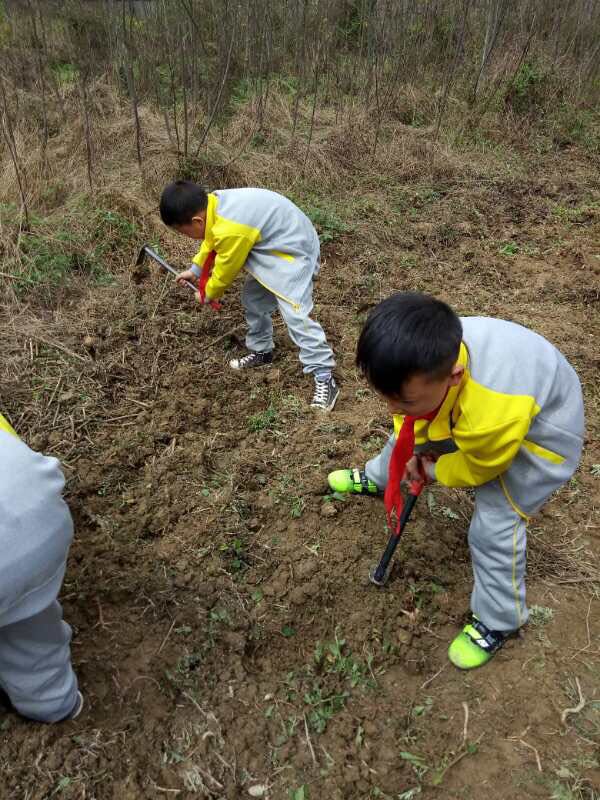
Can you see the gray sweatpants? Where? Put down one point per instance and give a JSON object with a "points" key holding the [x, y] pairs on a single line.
{"points": [[35, 533], [35, 665], [259, 304], [497, 533]]}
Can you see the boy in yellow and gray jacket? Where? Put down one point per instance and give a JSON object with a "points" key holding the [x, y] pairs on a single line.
{"points": [[495, 407], [267, 235], [35, 533]]}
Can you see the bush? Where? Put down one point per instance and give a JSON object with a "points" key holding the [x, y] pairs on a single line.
{"points": [[525, 93]]}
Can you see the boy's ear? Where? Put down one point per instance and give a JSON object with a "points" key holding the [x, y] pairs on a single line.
{"points": [[456, 375]]}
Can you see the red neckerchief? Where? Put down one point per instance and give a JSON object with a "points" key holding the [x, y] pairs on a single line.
{"points": [[401, 454], [204, 277]]}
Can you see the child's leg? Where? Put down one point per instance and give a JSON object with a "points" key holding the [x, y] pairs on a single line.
{"points": [[35, 666], [497, 535], [497, 540], [315, 354], [376, 469], [259, 304]]}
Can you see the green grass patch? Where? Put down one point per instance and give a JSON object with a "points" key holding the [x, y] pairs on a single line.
{"points": [[323, 687], [82, 242], [263, 420]]}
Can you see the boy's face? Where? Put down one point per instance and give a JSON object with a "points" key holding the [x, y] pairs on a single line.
{"points": [[421, 394], [194, 229]]}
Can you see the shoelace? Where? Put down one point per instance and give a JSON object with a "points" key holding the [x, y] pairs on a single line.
{"points": [[320, 394], [245, 360]]}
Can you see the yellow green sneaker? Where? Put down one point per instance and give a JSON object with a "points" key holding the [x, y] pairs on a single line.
{"points": [[351, 481], [476, 644]]}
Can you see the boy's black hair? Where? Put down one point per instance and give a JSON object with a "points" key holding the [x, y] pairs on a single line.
{"points": [[408, 334], [181, 201]]}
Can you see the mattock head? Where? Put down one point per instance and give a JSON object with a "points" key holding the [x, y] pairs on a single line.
{"points": [[374, 580], [141, 256]]}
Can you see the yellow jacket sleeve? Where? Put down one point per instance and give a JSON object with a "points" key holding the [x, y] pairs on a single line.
{"points": [[232, 252], [200, 256], [482, 455]]}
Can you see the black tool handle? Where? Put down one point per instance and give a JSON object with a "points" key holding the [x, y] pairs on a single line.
{"points": [[394, 539]]}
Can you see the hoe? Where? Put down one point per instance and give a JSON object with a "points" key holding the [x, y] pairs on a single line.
{"points": [[379, 574], [148, 252]]}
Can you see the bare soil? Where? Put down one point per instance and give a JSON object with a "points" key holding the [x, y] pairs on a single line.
{"points": [[226, 636]]}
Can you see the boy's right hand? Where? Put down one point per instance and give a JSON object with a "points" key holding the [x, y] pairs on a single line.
{"points": [[186, 275], [421, 466]]}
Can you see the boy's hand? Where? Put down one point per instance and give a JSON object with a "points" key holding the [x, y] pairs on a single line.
{"points": [[419, 465], [186, 275], [204, 301]]}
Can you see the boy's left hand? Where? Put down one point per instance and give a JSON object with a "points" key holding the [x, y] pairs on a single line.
{"points": [[186, 275]]}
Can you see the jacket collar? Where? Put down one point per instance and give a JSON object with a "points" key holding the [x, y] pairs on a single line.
{"points": [[441, 426], [211, 213]]}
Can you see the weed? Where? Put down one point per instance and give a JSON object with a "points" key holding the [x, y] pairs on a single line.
{"points": [[65, 72], [291, 404], [419, 711], [576, 215], [334, 658], [373, 444], [446, 235], [234, 554], [263, 420], [540, 615], [595, 470], [301, 793], [323, 707], [525, 92], [571, 125], [53, 251], [297, 506], [571, 786], [325, 685], [329, 226], [417, 762], [509, 249]]}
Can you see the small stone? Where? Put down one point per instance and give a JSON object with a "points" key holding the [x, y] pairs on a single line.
{"points": [[404, 637], [90, 344], [257, 791], [328, 510]]}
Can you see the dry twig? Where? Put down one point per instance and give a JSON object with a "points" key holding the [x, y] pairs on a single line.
{"points": [[576, 709]]}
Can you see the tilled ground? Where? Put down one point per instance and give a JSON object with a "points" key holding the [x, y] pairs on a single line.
{"points": [[226, 636]]}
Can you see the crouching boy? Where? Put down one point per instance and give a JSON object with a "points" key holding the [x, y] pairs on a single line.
{"points": [[35, 533], [276, 243], [480, 403]]}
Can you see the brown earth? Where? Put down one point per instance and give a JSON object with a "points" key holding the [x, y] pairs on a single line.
{"points": [[226, 636]]}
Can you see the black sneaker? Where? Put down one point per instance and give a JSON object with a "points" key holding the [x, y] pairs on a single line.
{"points": [[252, 360], [326, 394]]}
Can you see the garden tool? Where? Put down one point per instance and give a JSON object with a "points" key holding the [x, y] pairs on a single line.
{"points": [[202, 281], [379, 574]]}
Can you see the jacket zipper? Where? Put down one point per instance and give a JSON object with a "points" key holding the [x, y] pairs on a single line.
{"points": [[295, 306]]}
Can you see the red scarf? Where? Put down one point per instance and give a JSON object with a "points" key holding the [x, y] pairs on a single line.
{"points": [[401, 454], [204, 278]]}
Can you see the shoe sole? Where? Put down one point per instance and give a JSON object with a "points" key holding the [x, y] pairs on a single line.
{"points": [[255, 366]]}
